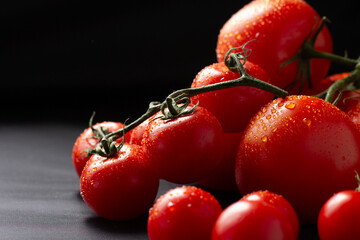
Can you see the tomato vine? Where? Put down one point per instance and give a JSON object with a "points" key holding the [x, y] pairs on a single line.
{"points": [[176, 104]]}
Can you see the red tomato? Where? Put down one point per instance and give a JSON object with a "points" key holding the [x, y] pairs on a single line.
{"points": [[350, 100], [256, 217], [185, 149], [223, 177], [120, 187], [85, 141], [293, 146], [280, 27], [280, 203], [137, 133], [183, 213], [339, 217], [233, 107]]}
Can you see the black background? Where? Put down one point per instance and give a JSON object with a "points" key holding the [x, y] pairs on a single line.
{"points": [[61, 60]]}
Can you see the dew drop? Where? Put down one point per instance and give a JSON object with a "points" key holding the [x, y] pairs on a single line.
{"points": [[290, 105], [307, 122], [264, 139]]}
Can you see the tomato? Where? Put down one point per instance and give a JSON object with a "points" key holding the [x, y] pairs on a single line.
{"points": [[280, 203], [185, 212], [185, 149], [350, 100], [137, 133], [293, 146], [119, 187], [339, 218], [262, 215], [233, 107], [223, 177], [86, 141], [280, 27]]}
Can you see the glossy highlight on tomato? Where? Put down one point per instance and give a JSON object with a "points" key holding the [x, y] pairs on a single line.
{"points": [[339, 217], [233, 107], [280, 27], [261, 215], [87, 141], [292, 146], [119, 187], [185, 212], [186, 149]]}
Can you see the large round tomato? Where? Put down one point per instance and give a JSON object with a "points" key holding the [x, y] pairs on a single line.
{"points": [[185, 149], [262, 216], [339, 217], [293, 146], [279, 27], [183, 213], [120, 187], [233, 107], [87, 141]]}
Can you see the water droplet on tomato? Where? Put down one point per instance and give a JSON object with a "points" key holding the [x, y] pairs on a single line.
{"points": [[290, 105], [307, 121], [264, 139]]}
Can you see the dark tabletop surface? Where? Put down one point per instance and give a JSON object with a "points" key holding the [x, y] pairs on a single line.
{"points": [[61, 60], [39, 189]]}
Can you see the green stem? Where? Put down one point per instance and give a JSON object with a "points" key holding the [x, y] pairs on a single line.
{"points": [[183, 97], [310, 52], [353, 77]]}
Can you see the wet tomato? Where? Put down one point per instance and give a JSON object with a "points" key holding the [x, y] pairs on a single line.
{"points": [[87, 141], [119, 187], [185, 149], [280, 27], [182, 213], [235, 106], [293, 146], [261, 215]]}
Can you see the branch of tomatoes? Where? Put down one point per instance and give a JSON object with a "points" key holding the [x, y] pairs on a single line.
{"points": [[176, 104]]}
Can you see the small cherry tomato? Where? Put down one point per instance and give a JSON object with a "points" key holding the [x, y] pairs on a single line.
{"points": [[119, 187], [186, 149], [257, 217], [87, 141], [185, 212], [233, 107], [339, 217]]}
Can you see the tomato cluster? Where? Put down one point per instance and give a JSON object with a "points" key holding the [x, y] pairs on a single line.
{"points": [[287, 156]]}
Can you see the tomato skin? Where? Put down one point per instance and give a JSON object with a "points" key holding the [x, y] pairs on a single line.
{"points": [[233, 107], [280, 203], [350, 100], [186, 149], [137, 133], [120, 187], [223, 177], [185, 212], [293, 146], [279, 27], [252, 219], [84, 142], [339, 217]]}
